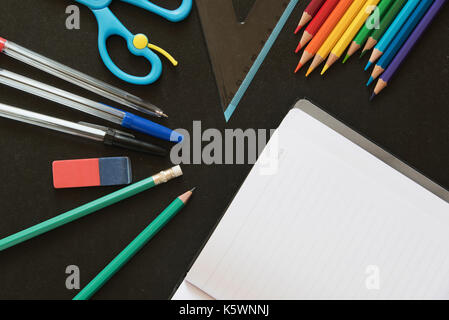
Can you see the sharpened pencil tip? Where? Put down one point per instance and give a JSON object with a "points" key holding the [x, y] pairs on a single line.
{"points": [[298, 67], [298, 48], [363, 53], [370, 80], [326, 67], [185, 197], [372, 96], [368, 65], [309, 72], [298, 28], [193, 189], [346, 58]]}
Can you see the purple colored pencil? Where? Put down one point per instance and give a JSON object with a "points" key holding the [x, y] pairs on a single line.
{"points": [[408, 46]]}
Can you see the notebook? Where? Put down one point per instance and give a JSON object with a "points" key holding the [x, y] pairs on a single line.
{"points": [[337, 217]]}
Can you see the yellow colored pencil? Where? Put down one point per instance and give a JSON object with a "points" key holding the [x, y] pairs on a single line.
{"points": [[350, 33], [332, 39]]}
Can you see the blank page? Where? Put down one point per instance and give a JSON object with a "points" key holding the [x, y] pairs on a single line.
{"points": [[332, 222]]}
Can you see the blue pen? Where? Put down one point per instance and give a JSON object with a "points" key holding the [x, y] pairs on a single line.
{"points": [[105, 112], [392, 31], [400, 39]]}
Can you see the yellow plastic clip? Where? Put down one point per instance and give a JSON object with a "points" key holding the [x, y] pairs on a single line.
{"points": [[141, 41], [164, 53]]}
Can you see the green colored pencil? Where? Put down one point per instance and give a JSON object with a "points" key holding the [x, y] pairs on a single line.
{"points": [[90, 207], [135, 246], [368, 29], [384, 24]]}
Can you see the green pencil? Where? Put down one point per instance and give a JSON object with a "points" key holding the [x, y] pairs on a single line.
{"points": [[135, 246], [368, 29], [90, 207], [384, 24]]}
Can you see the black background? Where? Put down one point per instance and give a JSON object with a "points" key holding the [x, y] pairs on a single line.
{"points": [[410, 119]]}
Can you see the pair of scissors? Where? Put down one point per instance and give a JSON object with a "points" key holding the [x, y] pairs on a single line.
{"points": [[109, 25]]}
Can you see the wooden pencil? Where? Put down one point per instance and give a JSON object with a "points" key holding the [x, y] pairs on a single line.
{"points": [[408, 46], [385, 22], [335, 35], [134, 247], [392, 31], [316, 23], [90, 208], [400, 39], [349, 34], [368, 28], [309, 13], [324, 32]]}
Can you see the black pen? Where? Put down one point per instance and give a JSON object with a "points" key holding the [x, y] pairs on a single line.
{"points": [[106, 135]]}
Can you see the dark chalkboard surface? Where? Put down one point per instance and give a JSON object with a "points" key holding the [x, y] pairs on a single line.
{"points": [[410, 119]]}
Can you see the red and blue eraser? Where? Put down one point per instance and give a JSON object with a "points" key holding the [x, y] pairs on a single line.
{"points": [[91, 172]]}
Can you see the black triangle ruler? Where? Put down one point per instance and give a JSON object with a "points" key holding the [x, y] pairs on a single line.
{"points": [[239, 35], [242, 8]]}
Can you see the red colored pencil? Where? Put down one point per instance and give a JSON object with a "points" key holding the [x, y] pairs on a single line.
{"points": [[317, 22], [309, 13]]}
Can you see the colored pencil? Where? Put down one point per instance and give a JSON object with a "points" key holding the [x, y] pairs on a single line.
{"points": [[316, 23], [392, 31], [400, 39], [368, 28], [336, 34], [385, 22], [309, 13], [324, 32], [408, 46], [349, 34], [90, 207], [134, 247]]}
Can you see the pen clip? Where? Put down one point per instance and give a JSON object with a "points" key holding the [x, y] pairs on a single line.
{"points": [[97, 126]]}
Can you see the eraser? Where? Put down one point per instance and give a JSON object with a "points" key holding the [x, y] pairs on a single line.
{"points": [[177, 171], [91, 172]]}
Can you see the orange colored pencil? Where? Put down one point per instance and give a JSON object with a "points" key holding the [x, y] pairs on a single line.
{"points": [[323, 33]]}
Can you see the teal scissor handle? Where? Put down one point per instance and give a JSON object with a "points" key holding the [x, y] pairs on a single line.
{"points": [[109, 25], [176, 15], [95, 4]]}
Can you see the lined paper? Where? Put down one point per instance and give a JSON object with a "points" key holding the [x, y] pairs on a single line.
{"points": [[334, 222]]}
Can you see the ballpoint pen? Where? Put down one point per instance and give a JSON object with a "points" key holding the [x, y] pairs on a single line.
{"points": [[78, 78], [125, 119], [98, 133]]}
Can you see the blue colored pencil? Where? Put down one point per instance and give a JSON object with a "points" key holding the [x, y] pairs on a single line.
{"points": [[400, 39], [408, 46], [392, 31]]}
